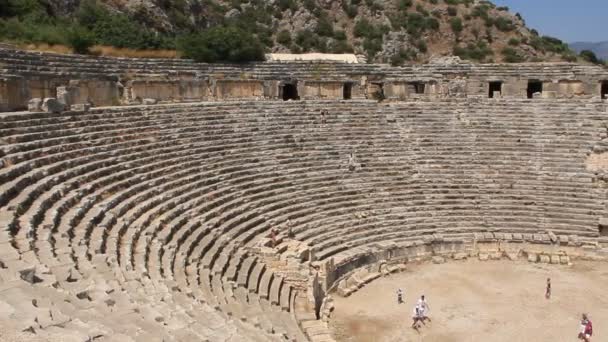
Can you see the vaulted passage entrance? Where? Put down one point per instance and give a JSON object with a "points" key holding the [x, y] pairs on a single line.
{"points": [[290, 92], [605, 90], [495, 87], [534, 87], [347, 91]]}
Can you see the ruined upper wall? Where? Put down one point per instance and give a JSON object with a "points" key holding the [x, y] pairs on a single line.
{"points": [[104, 81]]}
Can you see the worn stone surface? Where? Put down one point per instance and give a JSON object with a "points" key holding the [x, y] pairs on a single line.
{"points": [[34, 105], [52, 105]]}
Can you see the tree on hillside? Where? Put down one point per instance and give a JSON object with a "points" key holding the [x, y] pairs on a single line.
{"points": [[590, 56], [222, 44]]}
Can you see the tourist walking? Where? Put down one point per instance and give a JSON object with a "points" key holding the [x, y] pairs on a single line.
{"points": [[399, 296], [417, 317], [424, 308], [548, 290], [586, 329]]}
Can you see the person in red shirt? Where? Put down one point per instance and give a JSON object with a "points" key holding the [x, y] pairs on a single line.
{"points": [[586, 329]]}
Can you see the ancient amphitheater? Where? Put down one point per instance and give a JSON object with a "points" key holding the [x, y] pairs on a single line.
{"points": [[164, 200]]}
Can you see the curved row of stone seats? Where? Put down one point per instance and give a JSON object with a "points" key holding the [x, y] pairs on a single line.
{"points": [[563, 189], [277, 295], [183, 201], [31, 63], [17, 62]]}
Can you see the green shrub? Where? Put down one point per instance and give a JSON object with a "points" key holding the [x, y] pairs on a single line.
{"points": [[324, 26], [284, 37], [511, 55], [403, 5], [590, 56], [432, 24], [339, 35], [452, 11], [456, 24], [421, 46], [476, 52], [222, 44], [308, 41], [80, 40], [504, 24], [351, 11], [340, 46], [569, 56], [287, 4], [514, 42]]}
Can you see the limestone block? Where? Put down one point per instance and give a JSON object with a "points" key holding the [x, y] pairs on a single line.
{"points": [[564, 260], [51, 105], [512, 255], [81, 107], [555, 259], [460, 256], [496, 255], [34, 105], [532, 257], [438, 260], [547, 94], [552, 236], [484, 256], [545, 259], [149, 102]]}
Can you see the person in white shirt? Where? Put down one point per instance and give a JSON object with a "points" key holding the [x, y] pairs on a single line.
{"points": [[424, 307], [417, 316]]}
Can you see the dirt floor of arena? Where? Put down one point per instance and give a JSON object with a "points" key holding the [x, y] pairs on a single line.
{"points": [[475, 301]]}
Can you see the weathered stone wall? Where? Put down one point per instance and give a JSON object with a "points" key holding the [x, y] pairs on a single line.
{"points": [[111, 81], [95, 92], [13, 94], [323, 90], [239, 89], [187, 88]]}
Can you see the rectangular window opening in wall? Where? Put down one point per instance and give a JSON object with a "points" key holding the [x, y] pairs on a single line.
{"points": [[418, 87], [604, 91], [495, 87], [534, 87], [603, 230], [347, 91]]}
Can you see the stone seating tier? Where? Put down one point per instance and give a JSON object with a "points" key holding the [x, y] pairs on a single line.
{"points": [[161, 210], [26, 63]]}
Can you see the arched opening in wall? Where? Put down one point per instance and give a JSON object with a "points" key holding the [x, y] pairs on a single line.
{"points": [[495, 87], [534, 87], [604, 91], [347, 91], [289, 92]]}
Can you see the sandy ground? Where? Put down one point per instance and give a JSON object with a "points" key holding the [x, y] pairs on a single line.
{"points": [[475, 301]]}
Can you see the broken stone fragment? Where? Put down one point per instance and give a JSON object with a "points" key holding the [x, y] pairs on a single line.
{"points": [[34, 105], [51, 105], [29, 275]]}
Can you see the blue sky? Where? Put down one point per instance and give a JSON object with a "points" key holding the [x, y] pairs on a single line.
{"points": [[569, 20]]}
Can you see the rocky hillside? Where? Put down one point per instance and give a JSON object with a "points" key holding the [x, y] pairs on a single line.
{"points": [[395, 31]]}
